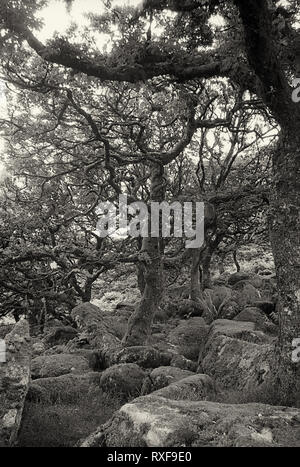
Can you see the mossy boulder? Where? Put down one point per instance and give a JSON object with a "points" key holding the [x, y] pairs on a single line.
{"points": [[124, 380], [188, 336], [163, 376], [56, 365], [64, 388], [154, 421], [143, 356]]}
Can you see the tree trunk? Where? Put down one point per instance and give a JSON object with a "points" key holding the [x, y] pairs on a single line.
{"points": [[33, 322], [34, 315], [87, 293], [141, 278], [205, 265], [285, 238], [140, 270], [235, 260], [195, 292], [139, 324], [221, 266], [210, 245], [88, 287]]}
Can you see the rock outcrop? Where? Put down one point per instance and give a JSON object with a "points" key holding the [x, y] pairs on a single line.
{"points": [[188, 336], [65, 388], [163, 376], [255, 315], [14, 382], [123, 380], [192, 388], [59, 335], [143, 356], [154, 421], [219, 295], [187, 308], [47, 366], [244, 293], [237, 277], [94, 326], [237, 356], [179, 361]]}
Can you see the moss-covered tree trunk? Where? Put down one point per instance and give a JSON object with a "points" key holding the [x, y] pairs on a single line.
{"points": [[200, 272], [140, 269], [195, 291], [236, 261], [264, 56], [201, 257], [139, 324], [205, 266], [285, 238]]}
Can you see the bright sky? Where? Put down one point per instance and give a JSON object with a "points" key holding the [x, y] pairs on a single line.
{"points": [[57, 19]]}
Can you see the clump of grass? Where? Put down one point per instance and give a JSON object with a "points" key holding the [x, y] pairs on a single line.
{"points": [[63, 424]]}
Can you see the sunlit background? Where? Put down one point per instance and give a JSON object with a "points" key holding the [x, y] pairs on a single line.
{"points": [[57, 19]]}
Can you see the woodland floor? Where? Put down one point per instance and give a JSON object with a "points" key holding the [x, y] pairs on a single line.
{"points": [[64, 423]]}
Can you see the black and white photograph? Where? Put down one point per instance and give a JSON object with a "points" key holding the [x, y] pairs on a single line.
{"points": [[149, 226]]}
